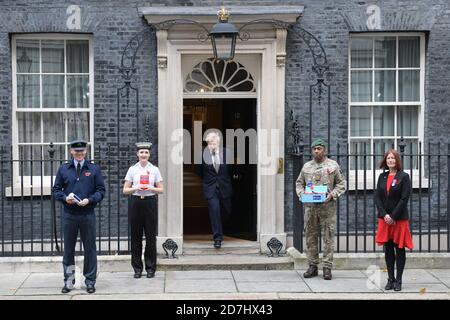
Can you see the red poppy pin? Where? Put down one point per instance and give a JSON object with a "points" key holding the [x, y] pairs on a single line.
{"points": [[87, 174]]}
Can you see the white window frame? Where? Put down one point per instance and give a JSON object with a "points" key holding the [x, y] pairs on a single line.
{"points": [[353, 174], [45, 189]]}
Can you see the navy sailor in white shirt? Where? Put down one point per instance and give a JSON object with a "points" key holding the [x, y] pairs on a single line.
{"points": [[143, 182]]}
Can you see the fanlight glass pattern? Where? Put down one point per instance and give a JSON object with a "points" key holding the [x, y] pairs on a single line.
{"points": [[214, 75]]}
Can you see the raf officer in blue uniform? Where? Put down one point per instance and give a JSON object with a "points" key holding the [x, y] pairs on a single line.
{"points": [[80, 187]]}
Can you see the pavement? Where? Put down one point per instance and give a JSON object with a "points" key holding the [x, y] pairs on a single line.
{"points": [[367, 284]]}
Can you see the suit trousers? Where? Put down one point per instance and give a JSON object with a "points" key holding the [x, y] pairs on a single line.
{"points": [[219, 212], [143, 218], [85, 224]]}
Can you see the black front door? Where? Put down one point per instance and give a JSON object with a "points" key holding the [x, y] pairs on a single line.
{"points": [[222, 114], [241, 114]]}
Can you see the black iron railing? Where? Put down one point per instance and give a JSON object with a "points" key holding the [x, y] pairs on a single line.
{"points": [[31, 221], [356, 212]]}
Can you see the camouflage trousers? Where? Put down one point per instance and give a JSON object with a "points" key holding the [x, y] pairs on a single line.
{"points": [[320, 218]]}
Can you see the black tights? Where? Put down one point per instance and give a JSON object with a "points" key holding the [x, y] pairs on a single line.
{"points": [[394, 254]]}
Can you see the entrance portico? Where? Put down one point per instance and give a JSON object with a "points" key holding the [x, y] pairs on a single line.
{"points": [[176, 46]]}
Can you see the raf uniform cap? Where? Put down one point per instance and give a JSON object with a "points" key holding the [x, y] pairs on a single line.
{"points": [[143, 145], [319, 142], [78, 145]]}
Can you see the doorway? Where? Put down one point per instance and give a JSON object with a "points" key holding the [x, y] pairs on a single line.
{"points": [[221, 114]]}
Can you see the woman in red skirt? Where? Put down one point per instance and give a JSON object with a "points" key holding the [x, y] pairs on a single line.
{"points": [[391, 198]]}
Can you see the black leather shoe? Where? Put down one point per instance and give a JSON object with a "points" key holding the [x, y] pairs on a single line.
{"points": [[137, 275], [65, 289], [389, 284], [151, 274], [327, 273], [311, 272], [90, 288], [217, 244], [397, 286]]}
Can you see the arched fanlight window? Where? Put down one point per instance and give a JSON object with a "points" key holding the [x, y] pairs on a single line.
{"points": [[213, 75]]}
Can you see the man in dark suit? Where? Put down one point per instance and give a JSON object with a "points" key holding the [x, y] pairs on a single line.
{"points": [[217, 189]]}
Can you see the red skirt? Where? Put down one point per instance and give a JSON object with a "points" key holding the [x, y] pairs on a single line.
{"points": [[399, 233]]}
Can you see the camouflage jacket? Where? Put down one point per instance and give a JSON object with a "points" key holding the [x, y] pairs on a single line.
{"points": [[326, 173]]}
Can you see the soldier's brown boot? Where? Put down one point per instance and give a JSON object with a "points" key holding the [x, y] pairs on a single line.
{"points": [[327, 273], [311, 272]]}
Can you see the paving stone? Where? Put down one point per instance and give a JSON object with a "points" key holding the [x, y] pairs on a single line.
{"points": [[272, 286], [418, 276], [266, 276], [318, 284], [44, 280], [224, 285], [440, 273], [10, 282], [201, 274], [421, 288]]}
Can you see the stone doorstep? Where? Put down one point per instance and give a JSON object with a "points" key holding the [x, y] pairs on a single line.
{"points": [[120, 263]]}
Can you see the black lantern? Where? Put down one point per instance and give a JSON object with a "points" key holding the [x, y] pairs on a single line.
{"points": [[223, 37]]}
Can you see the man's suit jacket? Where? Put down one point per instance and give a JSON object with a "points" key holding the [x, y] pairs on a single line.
{"points": [[213, 180], [396, 202]]}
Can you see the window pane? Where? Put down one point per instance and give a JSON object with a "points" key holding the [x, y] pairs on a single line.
{"points": [[78, 126], [361, 86], [78, 91], [409, 52], [52, 56], [385, 52], [385, 85], [52, 91], [28, 91], [361, 52], [27, 55], [381, 146], [357, 149], [30, 164], [58, 158], [54, 130], [407, 121], [410, 155], [77, 56], [408, 85], [359, 121], [29, 126], [383, 121]]}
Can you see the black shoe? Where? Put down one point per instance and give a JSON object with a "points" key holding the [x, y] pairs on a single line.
{"points": [[137, 275], [90, 288], [389, 284], [327, 273], [397, 286], [311, 272], [217, 244], [65, 289], [151, 274]]}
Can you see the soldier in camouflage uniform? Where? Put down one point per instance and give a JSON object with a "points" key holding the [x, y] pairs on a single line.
{"points": [[320, 171]]}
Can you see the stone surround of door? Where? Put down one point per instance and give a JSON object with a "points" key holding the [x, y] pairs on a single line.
{"points": [[267, 44]]}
